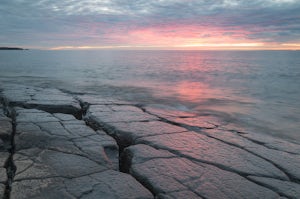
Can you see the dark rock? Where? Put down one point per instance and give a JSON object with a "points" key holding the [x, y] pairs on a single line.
{"points": [[3, 159], [2, 190]]}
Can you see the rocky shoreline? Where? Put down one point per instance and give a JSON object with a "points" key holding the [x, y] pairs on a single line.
{"points": [[55, 144]]}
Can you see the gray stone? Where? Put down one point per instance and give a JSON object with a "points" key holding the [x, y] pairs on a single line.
{"points": [[204, 149], [170, 177], [184, 118], [99, 100], [71, 136], [286, 161], [51, 100], [168, 113], [5, 130], [274, 143], [3, 159], [286, 188], [179, 194], [107, 185], [39, 164], [128, 132], [115, 113], [6, 127], [58, 156], [2, 190]]}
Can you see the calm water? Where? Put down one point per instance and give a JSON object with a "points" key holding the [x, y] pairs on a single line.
{"points": [[259, 90]]}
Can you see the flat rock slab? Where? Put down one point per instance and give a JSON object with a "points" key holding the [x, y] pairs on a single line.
{"points": [[107, 185], [118, 113], [185, 119], [233, 158], [288, 189], [64, 133], [170, 176], [288, 160], [99, 100], [201, 148], [47, 99], [58, 156]]}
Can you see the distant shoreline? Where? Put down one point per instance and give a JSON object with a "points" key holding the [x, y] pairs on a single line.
{"points": [[12, 48]]}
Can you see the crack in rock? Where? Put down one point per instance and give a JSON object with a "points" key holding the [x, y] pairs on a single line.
{"points": [[155, 148]]}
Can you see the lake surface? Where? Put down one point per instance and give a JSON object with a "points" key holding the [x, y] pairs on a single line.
{"points": [[259, 90]]}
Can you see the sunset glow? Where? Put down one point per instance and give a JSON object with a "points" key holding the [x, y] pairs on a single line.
{"points": [[165, 24]]}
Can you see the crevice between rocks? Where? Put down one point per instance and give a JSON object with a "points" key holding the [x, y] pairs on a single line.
{"points": [[9, 165], [122, 144]]}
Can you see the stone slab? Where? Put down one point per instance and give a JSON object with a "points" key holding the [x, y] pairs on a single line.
{"points": [[46, 131], [107, 185], [171, 177], [286, 161], [47, 99], [58, 156], [286, 188], [115, 113], [201, 148]]}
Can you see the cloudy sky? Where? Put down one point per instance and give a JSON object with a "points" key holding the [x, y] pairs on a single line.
{"points": [[162, 24]]}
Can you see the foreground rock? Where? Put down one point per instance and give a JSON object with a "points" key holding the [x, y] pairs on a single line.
{"points": [[196, 164], [47, 99], [58, 156], [5, 135], [174, 154], [168, 176]]}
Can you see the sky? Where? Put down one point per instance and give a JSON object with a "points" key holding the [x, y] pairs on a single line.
{"points": [[150, 24]]}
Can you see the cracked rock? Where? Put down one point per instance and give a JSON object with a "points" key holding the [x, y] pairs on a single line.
{"points": [[201, 148], [107, 185], [117, 113], [286, 188], [185, 119], [70, 136], [99, 100], [286, 161], [173, 177], [47, 99], [57, 149]]}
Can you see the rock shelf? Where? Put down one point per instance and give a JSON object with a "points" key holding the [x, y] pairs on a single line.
{"points": [[57, 145]]}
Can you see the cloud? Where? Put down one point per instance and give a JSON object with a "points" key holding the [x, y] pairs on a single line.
{"points": [[50, 23]]}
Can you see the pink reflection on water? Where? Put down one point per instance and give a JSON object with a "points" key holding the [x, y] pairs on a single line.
{"points": [[196, 91]]}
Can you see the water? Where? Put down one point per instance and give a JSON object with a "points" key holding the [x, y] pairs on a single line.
{"points": [[259, 90]]}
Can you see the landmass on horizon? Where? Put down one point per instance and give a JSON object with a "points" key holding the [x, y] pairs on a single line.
{"points": [[12, 48]]}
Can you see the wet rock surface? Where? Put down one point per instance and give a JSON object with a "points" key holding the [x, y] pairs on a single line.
{"points": [[124, 150]]}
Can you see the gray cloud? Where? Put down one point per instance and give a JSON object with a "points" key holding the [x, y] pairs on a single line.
{"points": [[71, 22]]}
